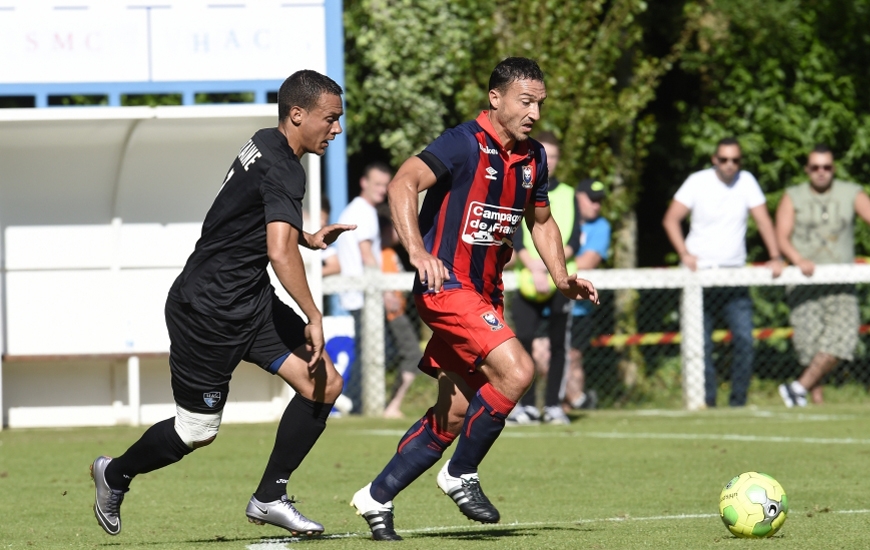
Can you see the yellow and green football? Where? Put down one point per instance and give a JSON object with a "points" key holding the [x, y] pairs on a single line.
{"points": [[753, 505]]}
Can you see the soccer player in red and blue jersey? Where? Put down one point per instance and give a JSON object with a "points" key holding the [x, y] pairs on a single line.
{"points": [[483, 178]]}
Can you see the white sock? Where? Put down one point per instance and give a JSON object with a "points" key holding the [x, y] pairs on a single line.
{"points": [[797, 388]]}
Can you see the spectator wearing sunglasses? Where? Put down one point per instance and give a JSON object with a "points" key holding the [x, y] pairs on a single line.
{"points": [[815, 225], [719, 199]]}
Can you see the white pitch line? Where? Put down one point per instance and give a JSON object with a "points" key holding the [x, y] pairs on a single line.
{"points": [[517, 434], [281, 543], [746, 413]]}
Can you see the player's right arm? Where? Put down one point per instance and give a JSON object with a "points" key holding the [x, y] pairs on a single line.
{"points": [[414, 177]]}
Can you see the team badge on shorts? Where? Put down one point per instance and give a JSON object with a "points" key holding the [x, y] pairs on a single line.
{"points": [[212, 398], [492, 321], [527, 176]]}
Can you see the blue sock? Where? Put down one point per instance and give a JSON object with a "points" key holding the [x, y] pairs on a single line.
{"points": [[419, 449], [484, 421]]}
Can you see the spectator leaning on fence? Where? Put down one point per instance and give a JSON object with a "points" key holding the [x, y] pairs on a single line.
{"points": [[594, 246], [815, 225], [358, 251], [718, 199]]}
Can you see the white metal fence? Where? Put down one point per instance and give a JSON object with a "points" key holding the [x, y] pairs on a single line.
{"points": [[649, 332]]}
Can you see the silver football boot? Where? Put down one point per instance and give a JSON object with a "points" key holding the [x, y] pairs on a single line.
{"points": [[107, 502], [281, 513]]}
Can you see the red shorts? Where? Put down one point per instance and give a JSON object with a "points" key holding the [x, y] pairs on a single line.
{"points": [[465, 328]]}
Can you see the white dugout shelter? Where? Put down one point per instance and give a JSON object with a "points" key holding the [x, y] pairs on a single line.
{"points": [[100, 206]]}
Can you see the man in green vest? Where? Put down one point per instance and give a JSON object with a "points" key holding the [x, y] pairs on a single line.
{"points": [[538, 305], [815, 225]]}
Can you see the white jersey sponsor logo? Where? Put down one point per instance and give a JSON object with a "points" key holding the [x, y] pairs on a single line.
{"points": [[490, 173], [490, 224]]}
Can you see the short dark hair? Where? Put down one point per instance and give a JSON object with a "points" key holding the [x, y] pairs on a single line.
{"points": [[548, 137], [822, 148], [513, 69], [377, 165], [325, 205], [303, 89], [727, 141]]}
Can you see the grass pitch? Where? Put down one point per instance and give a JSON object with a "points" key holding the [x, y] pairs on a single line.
{"points": [[630, 479]]}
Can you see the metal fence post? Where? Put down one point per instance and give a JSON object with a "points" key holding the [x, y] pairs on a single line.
{"points": [[133, 391], [692, 345], [373, 375]]}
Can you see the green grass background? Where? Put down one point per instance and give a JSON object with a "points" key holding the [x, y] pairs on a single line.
{"points": [[605, 481]]}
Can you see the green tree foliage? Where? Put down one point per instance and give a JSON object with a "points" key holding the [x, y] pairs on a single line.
{"points": [[410, 64]]}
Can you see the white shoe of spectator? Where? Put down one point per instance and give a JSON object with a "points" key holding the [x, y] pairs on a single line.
{"points": [[523, 415], [793, 394], [555, 415]]}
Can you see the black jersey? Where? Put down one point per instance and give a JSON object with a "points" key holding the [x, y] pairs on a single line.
{"points": [[226, 275]]}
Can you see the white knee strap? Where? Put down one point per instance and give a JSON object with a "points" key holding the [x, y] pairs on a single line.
{"points": [[196, 429]]}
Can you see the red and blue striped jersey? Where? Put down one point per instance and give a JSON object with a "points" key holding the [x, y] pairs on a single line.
{"points": [[470, 215]]}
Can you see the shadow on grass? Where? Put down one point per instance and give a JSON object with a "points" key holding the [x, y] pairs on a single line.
{"points": [[246, 540], [496, 533]]}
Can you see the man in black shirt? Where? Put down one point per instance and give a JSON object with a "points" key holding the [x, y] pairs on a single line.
{"points": [[222, 309]]}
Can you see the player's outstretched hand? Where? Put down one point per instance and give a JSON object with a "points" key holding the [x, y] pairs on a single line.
{"points": [[314, 343], [578, 289], [430, 269], [327, 235]]}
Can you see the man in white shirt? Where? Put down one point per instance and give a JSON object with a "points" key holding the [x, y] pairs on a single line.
{"points": [[719, 199], [359, 251]]}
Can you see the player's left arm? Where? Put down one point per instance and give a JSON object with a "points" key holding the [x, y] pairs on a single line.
{"points": [[286, 260], [548, 242]]}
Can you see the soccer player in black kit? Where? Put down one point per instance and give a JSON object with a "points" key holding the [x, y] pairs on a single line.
{"points": [[222, 309]]}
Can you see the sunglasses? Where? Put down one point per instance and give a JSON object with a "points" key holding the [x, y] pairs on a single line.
{"points": [[726, 160], [817, 167]]}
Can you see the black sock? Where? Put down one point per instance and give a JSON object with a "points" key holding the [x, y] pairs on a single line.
{"points": [[159, 446], [300, 427]]}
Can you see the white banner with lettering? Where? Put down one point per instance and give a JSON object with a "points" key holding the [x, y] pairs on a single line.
{"points": [[45, 41]]}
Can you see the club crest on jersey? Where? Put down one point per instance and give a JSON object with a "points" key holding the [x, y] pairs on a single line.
{"points": [[527, 176], [490, 224], [212, 398], [492, 321]]}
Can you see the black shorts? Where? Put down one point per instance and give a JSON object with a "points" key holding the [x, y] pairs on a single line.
{"points": [[204, 351], [581, 332]]}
